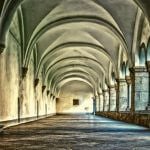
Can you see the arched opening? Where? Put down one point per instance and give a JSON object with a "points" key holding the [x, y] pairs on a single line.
{"points": [[142, 55]]}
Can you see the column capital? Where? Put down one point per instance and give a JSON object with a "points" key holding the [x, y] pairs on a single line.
{"points": [[120, 80], [100, 93], [128, 80], [111, 86], [105, 90], [43, 88], [138, 69], [2, 47], [116, 87], [36, 82], [48, 91], [24, 72]]}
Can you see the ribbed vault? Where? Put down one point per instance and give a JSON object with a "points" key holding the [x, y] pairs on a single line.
{"points": [[85, 40]]}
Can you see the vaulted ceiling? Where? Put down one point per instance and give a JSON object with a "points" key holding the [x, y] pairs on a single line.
{"points": [[77, 39]]}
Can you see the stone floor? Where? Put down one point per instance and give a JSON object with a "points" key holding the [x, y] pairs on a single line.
{"points": [[75, 132]]}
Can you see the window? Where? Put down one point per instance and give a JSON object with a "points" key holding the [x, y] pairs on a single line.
{"points": [[75, 101]]}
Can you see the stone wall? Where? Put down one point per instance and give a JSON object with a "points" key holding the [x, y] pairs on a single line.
{"points": [[106, 101], [19, 99], [123, 99], [75, 90], [142, 119], [112, 99], [141, 90]]}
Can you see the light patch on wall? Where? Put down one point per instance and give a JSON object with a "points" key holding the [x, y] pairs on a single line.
{"points": [[75, 97]]}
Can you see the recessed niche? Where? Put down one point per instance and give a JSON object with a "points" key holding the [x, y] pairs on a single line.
{"points": [[75, 102]]}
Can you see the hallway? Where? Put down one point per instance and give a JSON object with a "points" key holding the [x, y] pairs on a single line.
{"points": [[75, 132]]}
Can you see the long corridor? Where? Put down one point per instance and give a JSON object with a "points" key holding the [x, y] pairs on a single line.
{"points": [[75, 132]]}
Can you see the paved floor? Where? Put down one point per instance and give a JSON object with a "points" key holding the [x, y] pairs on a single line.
{"points": [[75, 132]]}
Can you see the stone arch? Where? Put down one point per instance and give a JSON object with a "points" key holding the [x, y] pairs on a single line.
{"points": [[148, 50]]}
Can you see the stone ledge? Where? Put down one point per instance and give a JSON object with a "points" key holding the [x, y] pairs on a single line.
{"points": [[134, 118], [15, 122]]}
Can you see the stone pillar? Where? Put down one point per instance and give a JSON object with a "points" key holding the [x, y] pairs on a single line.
{"points": [[123, 99], [97, 103], [109, 99], [37, 108], [148, 69], [112, 96], [106, 100], [141, 88], [94, 105], [132, 75], [117, 95], [101, 101], [129, 82]]}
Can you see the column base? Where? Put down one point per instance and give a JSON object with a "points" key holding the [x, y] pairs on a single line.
{"points": [[127, 109], [148, 107]]}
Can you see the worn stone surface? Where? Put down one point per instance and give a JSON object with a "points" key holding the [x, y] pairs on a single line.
{"points": [[101, 102], [75, 132], [142, 118], [106, 105], [123, 96], [112, 99], [141, 90]]}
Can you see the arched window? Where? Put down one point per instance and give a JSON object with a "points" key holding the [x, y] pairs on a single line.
{"points": [[113, 77], [123, 69], [142, 55]]}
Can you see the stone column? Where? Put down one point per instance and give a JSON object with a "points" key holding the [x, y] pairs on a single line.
{"points": [[109, 99], [141, 89], [132, 75], [148, 69], [117, 95], [101, 101], [129, 82], [112, 96], [106, 100], [94, 105], [97, 103], [122, 95]]}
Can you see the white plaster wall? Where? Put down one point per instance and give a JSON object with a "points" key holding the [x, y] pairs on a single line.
{"points": [[9, 81], [75, 90], [13, 87], [29, 103]]}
